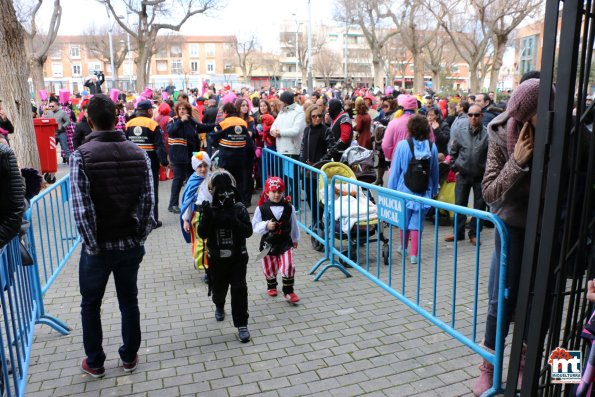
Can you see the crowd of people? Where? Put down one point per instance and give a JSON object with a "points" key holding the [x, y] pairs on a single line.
{"points": [[420, 140]]}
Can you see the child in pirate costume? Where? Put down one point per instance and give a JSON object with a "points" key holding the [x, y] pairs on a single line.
{"points": [[225, 224], [275, 219], [195, 193]]}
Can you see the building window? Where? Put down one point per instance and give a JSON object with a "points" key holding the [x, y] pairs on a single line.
{"points": [[176, 66], [176, 51], [333, 37], [527, 54], [94, 67], [57, 70], [56, 53], [161, 66], [193, 50], [75, 51], [194, 66], [211, 67], [76, 69], [162, 53], [210, 50], [228, 66]]}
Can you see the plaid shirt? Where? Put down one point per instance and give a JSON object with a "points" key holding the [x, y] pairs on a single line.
{"points": [[84, 213]]}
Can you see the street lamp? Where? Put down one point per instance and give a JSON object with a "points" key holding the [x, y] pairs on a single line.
{"points": [[111, 44], [297, 48], [310, 82]]}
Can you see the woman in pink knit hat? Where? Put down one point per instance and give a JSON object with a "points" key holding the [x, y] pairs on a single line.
{"points": [[505, 187]]}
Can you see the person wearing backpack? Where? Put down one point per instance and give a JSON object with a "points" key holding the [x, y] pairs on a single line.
{"points": [[468, 154], [414, 170]]}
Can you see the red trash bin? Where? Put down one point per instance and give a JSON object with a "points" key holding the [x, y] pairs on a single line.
{"points": [[45, 134]]}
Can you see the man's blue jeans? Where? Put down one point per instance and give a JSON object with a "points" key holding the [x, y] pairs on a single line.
{"points": [[62, 139], [94, 272]]}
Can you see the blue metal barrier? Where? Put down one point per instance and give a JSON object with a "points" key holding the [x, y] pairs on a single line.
{"points": [[358, 211], [19, 313], [53, 237]]}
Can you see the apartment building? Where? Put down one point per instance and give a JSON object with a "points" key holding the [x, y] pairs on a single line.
{"points": [[348, 49], [186, 60]]}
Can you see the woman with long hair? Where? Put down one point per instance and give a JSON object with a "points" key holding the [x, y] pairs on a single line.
{"points": [[363, 122], [243, 109]]}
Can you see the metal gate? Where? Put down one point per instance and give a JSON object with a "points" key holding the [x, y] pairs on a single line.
{"points": [[559, 257]]}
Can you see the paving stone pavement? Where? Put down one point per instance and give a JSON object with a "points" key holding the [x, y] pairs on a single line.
{"points": [[347, 336]]}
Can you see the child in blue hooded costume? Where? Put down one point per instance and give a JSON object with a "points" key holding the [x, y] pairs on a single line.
{"points": [[195, 193], [419, 132]]}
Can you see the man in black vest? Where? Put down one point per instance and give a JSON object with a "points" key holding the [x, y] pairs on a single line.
{"points": [[112, 202], [147, 135]]}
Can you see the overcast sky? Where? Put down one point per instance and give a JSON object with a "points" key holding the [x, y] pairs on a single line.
{"points": [[240, 17]]}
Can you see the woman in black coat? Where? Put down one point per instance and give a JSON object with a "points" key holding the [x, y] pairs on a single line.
{"points": [[441, 130], [183, 140], [316, 145]]}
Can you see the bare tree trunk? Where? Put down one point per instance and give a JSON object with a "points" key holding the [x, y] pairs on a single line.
{"points": [[436, 83], [142, 69], [36, 70], [378, 70], [473, 79], [500, 48], [14, 87], [304, 71], [418, 74]]}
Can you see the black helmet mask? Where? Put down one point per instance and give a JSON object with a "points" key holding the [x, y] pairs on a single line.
{"points": [[225, 197]]}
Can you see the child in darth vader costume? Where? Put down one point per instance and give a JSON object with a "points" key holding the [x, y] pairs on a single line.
{"points": [[225, 224]]}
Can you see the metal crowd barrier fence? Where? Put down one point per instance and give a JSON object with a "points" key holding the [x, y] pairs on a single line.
{"points": [[358, 211], [53, 238], [19, 313], [360, 231]]}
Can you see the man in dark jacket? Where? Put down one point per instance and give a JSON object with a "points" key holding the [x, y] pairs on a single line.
{"points": [[94, 83], [468, 154], [12, 194], [146, 133], [112, 204], [484, 102], [81, 130]]}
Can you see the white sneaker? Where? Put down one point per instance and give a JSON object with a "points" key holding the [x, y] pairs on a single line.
{"points": [[413, 260]]}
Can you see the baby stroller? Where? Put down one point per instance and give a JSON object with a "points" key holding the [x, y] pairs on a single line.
{"points": [[351, 223], [361, 161]]}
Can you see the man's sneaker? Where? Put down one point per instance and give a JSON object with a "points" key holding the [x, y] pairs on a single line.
{"points": [[219, 314], [271, 292], [292, 298], [174, 208], [158, 224], [244, 334], [413, 260], [129, 367], [94, 372]]}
